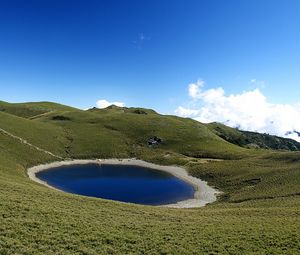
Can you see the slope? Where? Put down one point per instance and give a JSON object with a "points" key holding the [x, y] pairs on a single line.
{"points": [[123, 132], [31, 109], [252, 139], [258, 212]]}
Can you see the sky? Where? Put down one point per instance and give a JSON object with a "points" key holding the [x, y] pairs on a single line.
{"points": [[234, 61]]}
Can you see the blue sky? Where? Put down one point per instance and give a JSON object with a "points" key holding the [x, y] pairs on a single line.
{"points": [[146, 53]]}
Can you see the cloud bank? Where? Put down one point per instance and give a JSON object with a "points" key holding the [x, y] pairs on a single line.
{"points": [[102, 103], [249, 110]]}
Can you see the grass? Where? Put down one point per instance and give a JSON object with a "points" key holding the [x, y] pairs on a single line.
{"points": [[253, 140], [30, 110], [258, 212]]}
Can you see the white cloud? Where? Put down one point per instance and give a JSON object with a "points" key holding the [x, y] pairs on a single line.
{"points": [[185, 112], [249, 110], [195, 88], [102, 103]]}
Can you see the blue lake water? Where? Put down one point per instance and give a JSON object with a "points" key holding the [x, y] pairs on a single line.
{"points": [[132, 184]]}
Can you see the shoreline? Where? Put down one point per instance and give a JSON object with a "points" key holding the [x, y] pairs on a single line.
{"points": [[204, 194]]}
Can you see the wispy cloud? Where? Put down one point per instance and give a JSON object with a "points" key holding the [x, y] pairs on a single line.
{"points": [[249, 110], [140, 40], [257, 83], [103, 103]]}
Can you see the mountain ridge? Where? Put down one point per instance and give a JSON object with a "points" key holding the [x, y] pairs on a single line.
{"points": [[245, 139], [260, 187]]}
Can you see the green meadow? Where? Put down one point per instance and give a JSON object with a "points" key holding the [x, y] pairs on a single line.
{"points": [[258, 211]]}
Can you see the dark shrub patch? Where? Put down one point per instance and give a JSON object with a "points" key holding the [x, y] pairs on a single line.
{"points": [[60, 117], [138, 111]]}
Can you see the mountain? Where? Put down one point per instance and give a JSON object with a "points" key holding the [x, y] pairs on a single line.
{"points": [[258, 180], [253, 139], [31, 109]]}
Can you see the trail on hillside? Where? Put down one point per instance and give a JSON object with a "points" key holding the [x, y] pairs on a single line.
{"points": [[21, 140], [40, 115]]}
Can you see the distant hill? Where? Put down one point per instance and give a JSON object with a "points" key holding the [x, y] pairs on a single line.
{"points": [[114, 131], [120, 129], [123, 109], [253, 139], [32, 109]]}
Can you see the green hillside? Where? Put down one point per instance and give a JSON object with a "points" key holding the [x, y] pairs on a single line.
{"points": [[252, 139], [32, 109], [257, 213]]}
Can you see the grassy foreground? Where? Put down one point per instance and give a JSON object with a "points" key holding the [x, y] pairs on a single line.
{"points": [[258, 212]]}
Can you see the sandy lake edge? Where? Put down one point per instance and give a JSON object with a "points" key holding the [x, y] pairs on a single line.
{"points": [[204, 194]]}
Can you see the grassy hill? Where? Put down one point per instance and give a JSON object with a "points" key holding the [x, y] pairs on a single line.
{"points": [[252, 139], [257, 213], [32, 109]]}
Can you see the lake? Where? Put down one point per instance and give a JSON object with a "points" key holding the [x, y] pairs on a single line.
{"points": [[124, 183]]}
